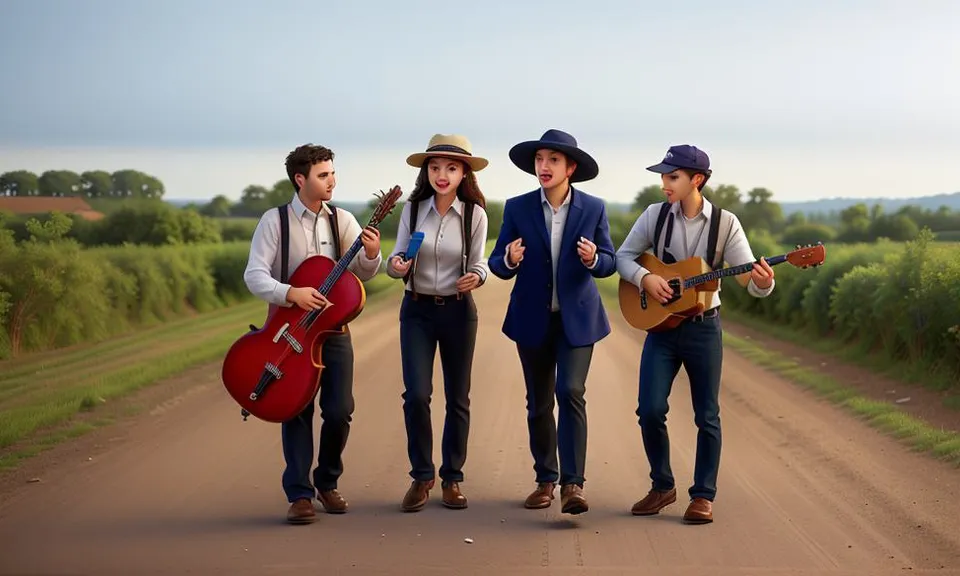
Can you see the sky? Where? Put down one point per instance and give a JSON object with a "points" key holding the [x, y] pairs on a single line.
{"points": [[809, 99]]}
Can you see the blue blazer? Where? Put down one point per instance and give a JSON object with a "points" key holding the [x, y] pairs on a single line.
{"points": [[528, 313]]}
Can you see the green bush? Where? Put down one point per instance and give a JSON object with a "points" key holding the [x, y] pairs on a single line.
{"points": [[899, 300], [54, 293]]}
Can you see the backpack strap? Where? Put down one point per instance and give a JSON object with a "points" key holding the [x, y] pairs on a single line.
{"points": [[408, 277], [335, 230], [719, 234], [658, 247], [284, 241], [467, 235]]}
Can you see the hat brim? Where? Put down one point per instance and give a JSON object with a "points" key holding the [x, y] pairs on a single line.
{"points": [[476, 163], [522, 155], [664, 168]]}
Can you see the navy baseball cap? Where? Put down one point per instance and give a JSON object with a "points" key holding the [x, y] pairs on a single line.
{"points": [[683, 156]]}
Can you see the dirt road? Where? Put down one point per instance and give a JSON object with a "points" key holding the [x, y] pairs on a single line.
{"points": [[191, 489]]}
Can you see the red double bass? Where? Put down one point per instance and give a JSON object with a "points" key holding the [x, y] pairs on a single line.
{"points": [[274, 372]]}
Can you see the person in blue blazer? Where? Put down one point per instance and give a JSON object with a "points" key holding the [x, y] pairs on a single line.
{"points": [[554, 241]]}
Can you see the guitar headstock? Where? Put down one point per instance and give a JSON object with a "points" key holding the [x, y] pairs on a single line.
{"points": [[387, 202], [811, 255]]}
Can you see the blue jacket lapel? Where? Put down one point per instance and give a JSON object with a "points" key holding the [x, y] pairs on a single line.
{"points": [[539, 223], [572, 225]]}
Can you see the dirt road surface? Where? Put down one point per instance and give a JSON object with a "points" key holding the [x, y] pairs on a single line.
{"points": [[189, 488]]}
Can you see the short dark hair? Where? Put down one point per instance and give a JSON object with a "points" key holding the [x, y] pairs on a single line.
{"points": [[302, 158], [691, 172]]}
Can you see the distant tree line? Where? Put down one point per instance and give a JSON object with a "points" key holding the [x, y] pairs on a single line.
{"points": [[89, 184], [857, 223]]}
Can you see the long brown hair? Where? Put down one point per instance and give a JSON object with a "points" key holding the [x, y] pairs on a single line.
{"points": [[467, 191]]}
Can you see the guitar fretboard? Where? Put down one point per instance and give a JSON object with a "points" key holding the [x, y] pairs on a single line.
{"points": [[734, 271]]}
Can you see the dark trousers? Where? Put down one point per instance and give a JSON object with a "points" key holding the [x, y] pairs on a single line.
{"points": [[698, 347], [426, 325], [336, 410], [557, 369]]}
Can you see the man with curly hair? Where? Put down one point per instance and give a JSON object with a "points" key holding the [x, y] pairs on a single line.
{"points": [[314, 227]]}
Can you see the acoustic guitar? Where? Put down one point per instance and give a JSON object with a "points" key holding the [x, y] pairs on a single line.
{"points": [[274, 372], [693, 283]]}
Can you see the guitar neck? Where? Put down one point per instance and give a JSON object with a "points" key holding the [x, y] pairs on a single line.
{"points": [[734, 271], [341, 266]]}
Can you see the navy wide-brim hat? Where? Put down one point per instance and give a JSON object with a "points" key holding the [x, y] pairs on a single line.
{"points": [[523, 154]]}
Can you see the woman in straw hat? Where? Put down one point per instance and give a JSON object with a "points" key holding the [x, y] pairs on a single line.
{"points": [[438, 310]]}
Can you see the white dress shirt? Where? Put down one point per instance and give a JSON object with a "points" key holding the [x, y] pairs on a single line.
{"points": [[689, 238], [555, 221], [440, 260], [310, 235]]}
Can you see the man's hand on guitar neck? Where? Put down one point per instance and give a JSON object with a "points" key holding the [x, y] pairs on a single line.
{"points": [[307, 298], [657, 287], [762, 274]]}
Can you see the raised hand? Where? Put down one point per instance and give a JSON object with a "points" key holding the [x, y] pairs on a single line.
{"points": [[515, 252]]}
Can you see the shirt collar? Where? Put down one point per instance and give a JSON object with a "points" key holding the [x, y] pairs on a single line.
{"points": [[706, 211], [300, 209], [566, 200], [457, 205]]}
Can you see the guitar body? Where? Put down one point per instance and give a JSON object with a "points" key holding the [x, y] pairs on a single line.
{"points": [[244, 364], [644, 312], [693, 283]]}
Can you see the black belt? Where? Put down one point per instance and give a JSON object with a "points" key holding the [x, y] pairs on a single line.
{"points": [[707, 314], [438, 300]]}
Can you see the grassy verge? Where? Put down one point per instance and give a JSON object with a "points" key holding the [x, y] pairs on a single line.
{"points": [[855, 353], [913, 432], [50, 397]]}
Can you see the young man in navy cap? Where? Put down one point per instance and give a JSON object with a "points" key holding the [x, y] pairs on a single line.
{"points": [[555, 240], [685, 225]]}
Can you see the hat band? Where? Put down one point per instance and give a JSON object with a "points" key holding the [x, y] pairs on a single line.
{"points": [[448, 148]]}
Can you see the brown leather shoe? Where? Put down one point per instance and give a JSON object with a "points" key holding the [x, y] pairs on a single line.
{"points": [[700, 511], [654, 502], [541, 497], [572, 500], [301, 512], [416, 497], [452, 497], [332, 501]]}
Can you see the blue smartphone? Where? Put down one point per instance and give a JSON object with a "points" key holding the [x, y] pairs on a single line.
{"points": [[416, 239]]}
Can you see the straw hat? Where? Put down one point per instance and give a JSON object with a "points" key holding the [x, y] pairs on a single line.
{"points": [[449, 146]]}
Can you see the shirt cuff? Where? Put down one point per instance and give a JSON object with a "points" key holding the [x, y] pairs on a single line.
{"points": [[506, 260], [596, 258], [280, 295], [756, 292]]}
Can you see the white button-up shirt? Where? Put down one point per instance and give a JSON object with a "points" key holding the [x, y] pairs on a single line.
{"points": [[440, 259], [316, 239], [689, 238]]}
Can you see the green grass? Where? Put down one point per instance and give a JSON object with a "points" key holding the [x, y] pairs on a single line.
{"points": [[855, 353], [50, 397], [912, 431]]}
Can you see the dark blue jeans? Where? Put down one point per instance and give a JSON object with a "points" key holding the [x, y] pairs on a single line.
{"points": [[336, 411], [698, 347], [557, 369], [426, 326]]}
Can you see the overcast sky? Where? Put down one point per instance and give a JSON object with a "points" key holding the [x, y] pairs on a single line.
{"points": [[855, 97]]}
